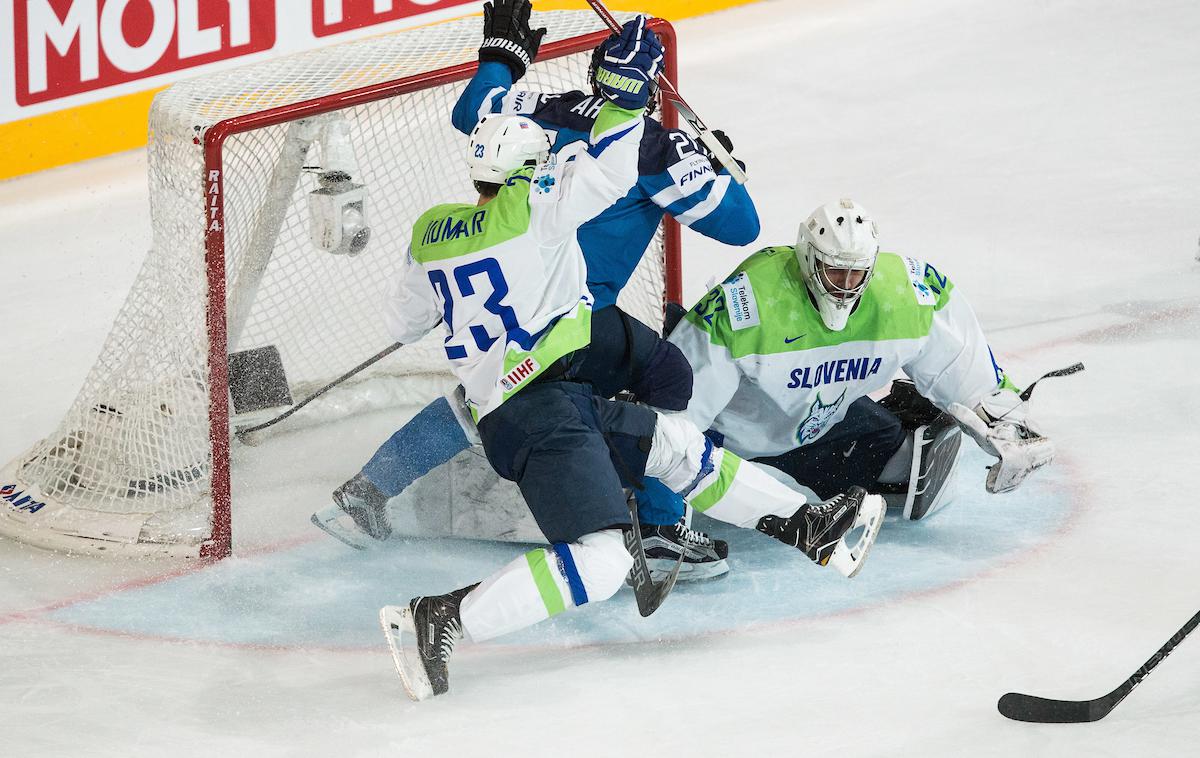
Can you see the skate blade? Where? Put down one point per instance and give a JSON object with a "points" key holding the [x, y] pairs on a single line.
{"points": [[660, 569], [848, 559], [397, 623], [329, 520]]}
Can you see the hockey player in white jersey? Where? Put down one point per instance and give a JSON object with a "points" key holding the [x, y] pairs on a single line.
{"points": [[786, 350], [675, 177], [506, 279]]}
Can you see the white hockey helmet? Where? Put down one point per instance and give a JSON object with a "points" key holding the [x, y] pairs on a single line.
{"points": [[500, 144], [836, 241]]}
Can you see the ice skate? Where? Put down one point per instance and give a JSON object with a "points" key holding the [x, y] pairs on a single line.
{"points": [[358, 516], [703, 557], [421, 637], [824, 530]]}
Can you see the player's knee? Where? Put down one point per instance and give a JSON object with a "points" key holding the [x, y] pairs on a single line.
{"points": [[666, 382], [601, 562], [679, 454]]}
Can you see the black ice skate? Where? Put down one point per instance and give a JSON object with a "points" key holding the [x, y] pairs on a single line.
{"points": [[822, 530], [421, 637], [358, 516], [703, 557]]}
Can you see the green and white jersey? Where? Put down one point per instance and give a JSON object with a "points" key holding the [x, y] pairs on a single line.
{"points": [[507, 279], [771, 377]]}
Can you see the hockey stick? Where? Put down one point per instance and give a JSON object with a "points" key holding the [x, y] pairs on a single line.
{"points": [[244, 432], [706, 136], [1019, 707], [649, 594], [1074, 368]]}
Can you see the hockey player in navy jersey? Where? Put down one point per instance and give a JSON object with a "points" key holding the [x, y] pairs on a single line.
{"points": [[505, 279], [675, 176]]}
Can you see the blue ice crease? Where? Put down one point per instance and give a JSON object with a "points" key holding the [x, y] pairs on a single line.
{"points": [[325, 594]]}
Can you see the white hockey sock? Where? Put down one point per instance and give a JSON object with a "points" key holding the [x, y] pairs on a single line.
{"points": [[712, 480], [538, 585]]}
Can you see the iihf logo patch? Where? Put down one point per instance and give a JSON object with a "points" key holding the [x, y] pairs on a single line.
{"points": [[544, 182]]}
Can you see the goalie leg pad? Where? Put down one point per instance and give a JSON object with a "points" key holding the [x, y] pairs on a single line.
{"points": [[936, 449]]}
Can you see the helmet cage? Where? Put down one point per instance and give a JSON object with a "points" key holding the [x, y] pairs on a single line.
{"points": [[822, 264], [850, 242]]}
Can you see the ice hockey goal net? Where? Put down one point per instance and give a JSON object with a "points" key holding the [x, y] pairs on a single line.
{"points": [[141, 462]]}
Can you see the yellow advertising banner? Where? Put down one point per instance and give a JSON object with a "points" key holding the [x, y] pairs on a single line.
{"points": [[81, 74]]}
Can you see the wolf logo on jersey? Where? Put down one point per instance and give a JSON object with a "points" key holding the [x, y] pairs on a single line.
{"points": [[819, 414]]}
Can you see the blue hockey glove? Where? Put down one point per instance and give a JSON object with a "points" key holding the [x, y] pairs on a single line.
{"points": [[629, 65], [657, 504]]}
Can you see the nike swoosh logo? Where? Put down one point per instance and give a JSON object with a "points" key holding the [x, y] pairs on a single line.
{"points": [[853, 445], [788, 341]]}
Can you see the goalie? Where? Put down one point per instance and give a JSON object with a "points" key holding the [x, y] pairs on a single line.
{"points": [[785, 351]]}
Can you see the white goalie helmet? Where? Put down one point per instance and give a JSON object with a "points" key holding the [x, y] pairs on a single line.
{"points": [[837, 248], [501, 143]]}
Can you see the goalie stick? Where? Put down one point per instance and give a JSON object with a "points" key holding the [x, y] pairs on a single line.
{"points": [[703, 132], [1020, 707]]}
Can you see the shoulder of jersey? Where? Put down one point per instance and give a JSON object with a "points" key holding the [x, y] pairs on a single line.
{"points": [[441, 210], [562, 111], [662, 148], [910, 280], [767, 262]]}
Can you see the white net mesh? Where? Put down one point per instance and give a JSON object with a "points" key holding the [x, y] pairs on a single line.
{"points": [[134, 455]]}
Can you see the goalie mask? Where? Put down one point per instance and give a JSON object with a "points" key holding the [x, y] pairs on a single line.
{"points": [[501, 144], [837, 248]]}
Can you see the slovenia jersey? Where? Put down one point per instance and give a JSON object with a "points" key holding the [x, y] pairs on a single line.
{"points": [[674, 176], [771, 377], [507, 278]]}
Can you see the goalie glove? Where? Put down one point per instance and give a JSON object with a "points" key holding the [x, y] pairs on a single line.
{"points": [[507, 37], [999, 425]]}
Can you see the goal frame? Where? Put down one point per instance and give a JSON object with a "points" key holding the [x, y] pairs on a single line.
{"points": [[220, 542]]}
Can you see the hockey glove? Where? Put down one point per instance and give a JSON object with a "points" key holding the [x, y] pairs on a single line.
{"points": [[507, 37], [630, 64], [999, 426], [726, 143]]}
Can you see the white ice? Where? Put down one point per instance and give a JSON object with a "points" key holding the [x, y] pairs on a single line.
{"points": [[1043, 154]]}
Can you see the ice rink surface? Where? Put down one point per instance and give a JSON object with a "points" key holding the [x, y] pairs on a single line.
{"points": [[1042, 154]]}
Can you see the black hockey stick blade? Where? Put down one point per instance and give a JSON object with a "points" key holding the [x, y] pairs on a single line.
{"points": [[648, 593], [1042, 710]]}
